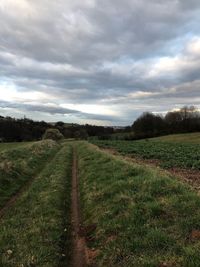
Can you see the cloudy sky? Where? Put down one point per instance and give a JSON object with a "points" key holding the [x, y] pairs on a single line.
{"points": [[101, 62]]}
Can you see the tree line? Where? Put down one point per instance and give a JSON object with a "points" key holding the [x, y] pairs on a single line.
{"points": [[17, 130], [184, 120]]}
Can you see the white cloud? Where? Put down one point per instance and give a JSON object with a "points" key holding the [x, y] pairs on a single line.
{"points": [[193, 47], [187, 59], [8, 92]]}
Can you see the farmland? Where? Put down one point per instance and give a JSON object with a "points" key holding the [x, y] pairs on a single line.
{"points": [[169, 154], [71, 193]]}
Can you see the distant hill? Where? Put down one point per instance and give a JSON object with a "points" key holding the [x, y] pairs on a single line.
{"points": [[180, 138]]}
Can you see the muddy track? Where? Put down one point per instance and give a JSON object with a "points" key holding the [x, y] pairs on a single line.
{"points": [[23, 189], [79, 248]]}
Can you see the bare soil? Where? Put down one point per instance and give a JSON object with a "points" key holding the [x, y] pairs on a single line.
{"points": [[79, 255]]}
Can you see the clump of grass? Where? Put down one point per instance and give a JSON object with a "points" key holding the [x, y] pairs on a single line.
{"points": [[142, 217], [36, 231], [19, 165]]}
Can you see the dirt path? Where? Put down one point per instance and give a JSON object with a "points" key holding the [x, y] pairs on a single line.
{"points": [[23, 189], [79, 257]]}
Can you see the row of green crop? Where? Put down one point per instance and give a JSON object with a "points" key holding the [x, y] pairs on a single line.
{"points": [[135, 216], [20, 164], [35, 231], [170, 154]]}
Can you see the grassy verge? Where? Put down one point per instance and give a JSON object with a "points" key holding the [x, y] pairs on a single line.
{"points": [[36, 230], [21, 164], [183, 155], [14, 145], [142, 218]]}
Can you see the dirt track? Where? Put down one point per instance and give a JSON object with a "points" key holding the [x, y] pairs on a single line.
{"points": [[79, 257]]}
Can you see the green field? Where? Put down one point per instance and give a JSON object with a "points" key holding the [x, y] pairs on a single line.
{"points": [[132, 215], [193, 138], [169, 154]]}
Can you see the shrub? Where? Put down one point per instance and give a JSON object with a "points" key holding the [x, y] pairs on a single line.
{"points": [[53, 134]]}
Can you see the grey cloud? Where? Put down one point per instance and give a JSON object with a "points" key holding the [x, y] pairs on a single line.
{"points": [[93, 52], [61, 33], [53, 110], [40, 108]]}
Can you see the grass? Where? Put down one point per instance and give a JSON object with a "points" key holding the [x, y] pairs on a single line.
{"points": [[14, 145], [193, 138], [20, 164], [142, 218], [36, 230], [169, 154]]}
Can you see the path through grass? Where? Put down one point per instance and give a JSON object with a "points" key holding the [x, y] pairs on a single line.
{"points": [[21, 164], [35, 232]]}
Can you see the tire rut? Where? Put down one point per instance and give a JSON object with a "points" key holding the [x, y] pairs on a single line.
{"points": [[79, 248], [22, 190]]}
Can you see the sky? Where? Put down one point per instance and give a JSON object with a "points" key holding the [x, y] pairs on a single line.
{"points": [[99, 62]]}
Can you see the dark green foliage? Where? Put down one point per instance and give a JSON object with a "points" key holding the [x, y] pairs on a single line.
{"points": [[187, 119], [18, 130], [53, 134], [169, 154]]}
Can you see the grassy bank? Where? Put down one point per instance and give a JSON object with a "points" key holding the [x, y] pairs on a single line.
{"points": [[134, 216], [13, 145], [20, 164], [35, 231]]}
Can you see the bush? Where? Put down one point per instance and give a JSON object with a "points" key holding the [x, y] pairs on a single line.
{"points": [[53, 134]]}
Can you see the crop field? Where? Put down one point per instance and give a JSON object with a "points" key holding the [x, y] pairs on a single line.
{"points": [[72, 204], [169, 154]]}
